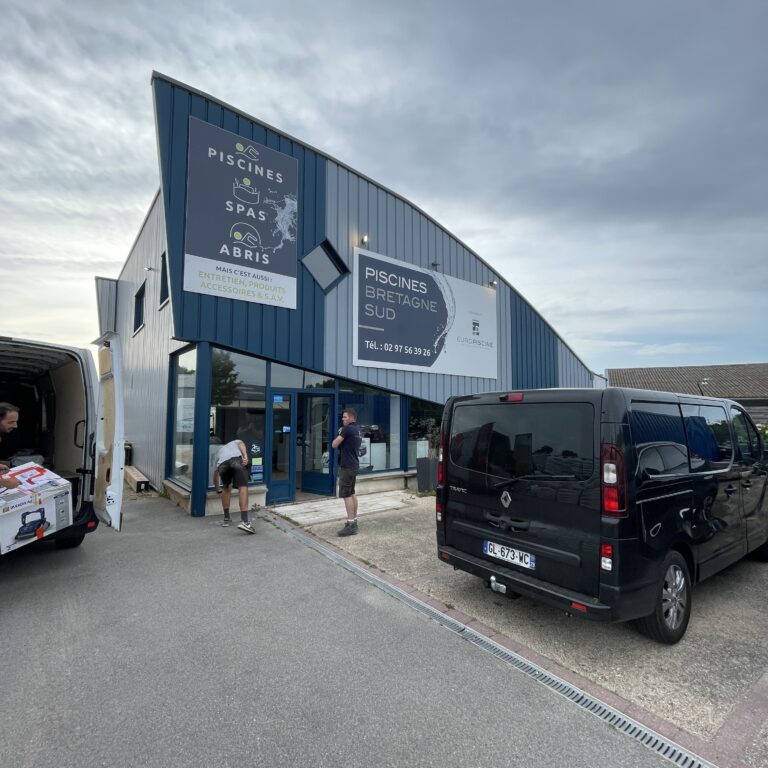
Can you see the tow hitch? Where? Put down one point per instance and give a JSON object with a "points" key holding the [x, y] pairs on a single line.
{"points": [[496, 587]]}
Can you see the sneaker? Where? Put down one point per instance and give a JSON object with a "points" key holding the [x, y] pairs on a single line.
{"points": [[349, 529], [247, 527], [226, 521]]}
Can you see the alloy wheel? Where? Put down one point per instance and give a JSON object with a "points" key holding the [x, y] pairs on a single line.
{"points": [[674, 597]]}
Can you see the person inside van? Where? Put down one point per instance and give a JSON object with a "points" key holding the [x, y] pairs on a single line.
{"points": [[9, 420]]}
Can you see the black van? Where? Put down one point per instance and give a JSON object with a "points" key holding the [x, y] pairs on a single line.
{"points": [[609, 504]]}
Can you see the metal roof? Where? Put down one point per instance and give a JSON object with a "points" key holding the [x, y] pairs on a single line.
{"points": [[741, 382]]}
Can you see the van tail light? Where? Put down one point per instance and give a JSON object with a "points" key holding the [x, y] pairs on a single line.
{"points": [[606, 557], [613, 481], [439, 511], [442, 459]]}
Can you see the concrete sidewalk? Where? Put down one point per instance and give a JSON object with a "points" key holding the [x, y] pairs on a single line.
{"points": [[709, 693]]}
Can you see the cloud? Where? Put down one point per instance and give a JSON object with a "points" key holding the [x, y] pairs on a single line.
{"points": [[609, 160]]}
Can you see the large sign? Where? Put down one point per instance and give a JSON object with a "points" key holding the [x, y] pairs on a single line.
{"points": [[413, 319], [241, 218]]}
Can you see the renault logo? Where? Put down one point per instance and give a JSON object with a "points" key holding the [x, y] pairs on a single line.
{"points": [[506, 499]]}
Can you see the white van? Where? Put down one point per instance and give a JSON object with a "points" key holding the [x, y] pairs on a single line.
{"points": [[70, 422]]}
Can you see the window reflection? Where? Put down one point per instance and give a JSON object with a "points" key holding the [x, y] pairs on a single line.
{"points": [[552, 440], [423, 430], [709, 437], [378, 418], [238, 384], [184, 417]]}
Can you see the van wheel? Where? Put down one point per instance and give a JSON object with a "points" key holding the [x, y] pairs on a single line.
{"points": [[69, 542], [669, 620]]}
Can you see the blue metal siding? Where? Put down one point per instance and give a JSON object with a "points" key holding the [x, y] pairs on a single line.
{"points": [[356, 206], [291, 336], [571, 371], [531, 355], [338, 204]]}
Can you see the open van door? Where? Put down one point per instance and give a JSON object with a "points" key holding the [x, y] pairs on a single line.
{"points": [[110, 439]]}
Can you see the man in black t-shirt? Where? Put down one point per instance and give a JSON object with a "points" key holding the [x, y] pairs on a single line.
{"points": [[348, 440]]}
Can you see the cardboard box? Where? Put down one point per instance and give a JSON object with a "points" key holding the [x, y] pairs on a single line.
{"points": [[40, 506]]}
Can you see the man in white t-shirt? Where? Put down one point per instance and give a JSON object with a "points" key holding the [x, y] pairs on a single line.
{"points": [[231, 463]]}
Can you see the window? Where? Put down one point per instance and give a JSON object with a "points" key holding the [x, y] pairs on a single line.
{"points": [[518, 440], [659, 436], [746, 437], [709, 437], [423, 430], [163, 279], [238, 410], [138, 308], [285, 376], [656, 423], [663, 459], [378, 418], [184, 417]]}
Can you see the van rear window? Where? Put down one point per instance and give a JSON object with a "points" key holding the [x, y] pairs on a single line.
{"points": [[545, 440]]}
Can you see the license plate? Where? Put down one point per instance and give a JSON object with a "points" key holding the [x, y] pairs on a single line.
{"points": [[510, 555]]}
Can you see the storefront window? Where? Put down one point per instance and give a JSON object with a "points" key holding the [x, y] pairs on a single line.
{"points": [[286, 377], [378, 417], [238, 385], [318, 381], [184, 417], [423, 430]]}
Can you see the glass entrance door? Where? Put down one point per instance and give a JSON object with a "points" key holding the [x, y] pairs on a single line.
{"points": [[316, 470], [282, 461]]}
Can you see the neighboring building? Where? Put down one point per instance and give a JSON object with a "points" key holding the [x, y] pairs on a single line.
{"points": [[271, 286], [746, 383]]}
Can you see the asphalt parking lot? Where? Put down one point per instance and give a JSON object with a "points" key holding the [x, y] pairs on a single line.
{"points": [[709, 693]]}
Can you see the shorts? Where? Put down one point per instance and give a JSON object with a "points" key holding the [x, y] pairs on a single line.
{"points": [[347, 482], [232, 472]]}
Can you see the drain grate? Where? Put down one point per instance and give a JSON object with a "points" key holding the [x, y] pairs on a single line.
{"points": [[658, 743]]}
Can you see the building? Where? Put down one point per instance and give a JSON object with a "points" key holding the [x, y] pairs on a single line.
{"points": [[271, 286], [746, 383]]}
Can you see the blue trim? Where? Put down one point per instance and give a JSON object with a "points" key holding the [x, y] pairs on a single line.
{"points": [[288, 485], [203, 380]]}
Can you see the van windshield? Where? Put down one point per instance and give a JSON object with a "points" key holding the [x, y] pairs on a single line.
{"points": [[516, 440]]}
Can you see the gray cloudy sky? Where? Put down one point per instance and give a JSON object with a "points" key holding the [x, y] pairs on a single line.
{"points": [[609, 159]]}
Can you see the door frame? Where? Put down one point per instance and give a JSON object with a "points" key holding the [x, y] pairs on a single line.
{"points": [[284, 491], [325, 484], [281, 491]]}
